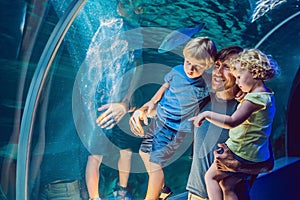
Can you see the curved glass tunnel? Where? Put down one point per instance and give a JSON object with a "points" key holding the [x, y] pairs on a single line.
{"points": [[56, 54]]}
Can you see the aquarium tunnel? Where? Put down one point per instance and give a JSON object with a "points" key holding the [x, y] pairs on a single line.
{"points": [[63, 59]]}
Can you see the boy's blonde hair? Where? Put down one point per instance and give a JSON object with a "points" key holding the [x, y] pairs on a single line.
{"points": [[261, 66], [201, 48]]}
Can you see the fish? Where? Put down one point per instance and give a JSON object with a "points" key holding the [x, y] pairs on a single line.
{"points": [[178, 37]]}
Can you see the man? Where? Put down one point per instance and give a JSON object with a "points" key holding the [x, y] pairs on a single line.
{"points": [[207, 136]]}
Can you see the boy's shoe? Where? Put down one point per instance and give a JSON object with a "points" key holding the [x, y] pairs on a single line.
{"points": [[165, 193], [121, 193]]}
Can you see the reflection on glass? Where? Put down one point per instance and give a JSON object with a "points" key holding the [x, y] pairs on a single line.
{"points": [[101, 52]]}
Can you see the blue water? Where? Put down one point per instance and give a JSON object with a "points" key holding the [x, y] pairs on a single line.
{"points": [[98, 53]]}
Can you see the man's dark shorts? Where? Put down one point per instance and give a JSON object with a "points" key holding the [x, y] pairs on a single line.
{"points": [[105, 142]]}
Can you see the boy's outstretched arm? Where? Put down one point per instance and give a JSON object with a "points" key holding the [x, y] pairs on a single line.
{"points": [[151, 105], [147, 110], [160, 92]]}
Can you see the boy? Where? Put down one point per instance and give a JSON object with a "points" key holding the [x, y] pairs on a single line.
{"points": [[178, 98]]}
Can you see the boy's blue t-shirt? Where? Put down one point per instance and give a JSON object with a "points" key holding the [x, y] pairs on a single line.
{"points": [[182, 99]]}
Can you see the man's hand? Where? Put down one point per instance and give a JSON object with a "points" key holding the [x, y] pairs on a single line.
{"points": [[113, 114], [135, 124], [226, 162]]}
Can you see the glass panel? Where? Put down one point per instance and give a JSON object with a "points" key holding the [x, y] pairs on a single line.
{"points": [[91, 57], [55, 148], [112, 54], [25, 28], [286, 51]]}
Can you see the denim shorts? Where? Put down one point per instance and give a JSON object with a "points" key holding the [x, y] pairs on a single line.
{"points": [[162, 142]]}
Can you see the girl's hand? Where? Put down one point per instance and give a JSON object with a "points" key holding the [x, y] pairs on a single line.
{"points": [[197, 120]]}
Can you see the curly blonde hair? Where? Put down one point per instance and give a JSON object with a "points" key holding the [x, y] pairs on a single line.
{"points": [[261, 66]]}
